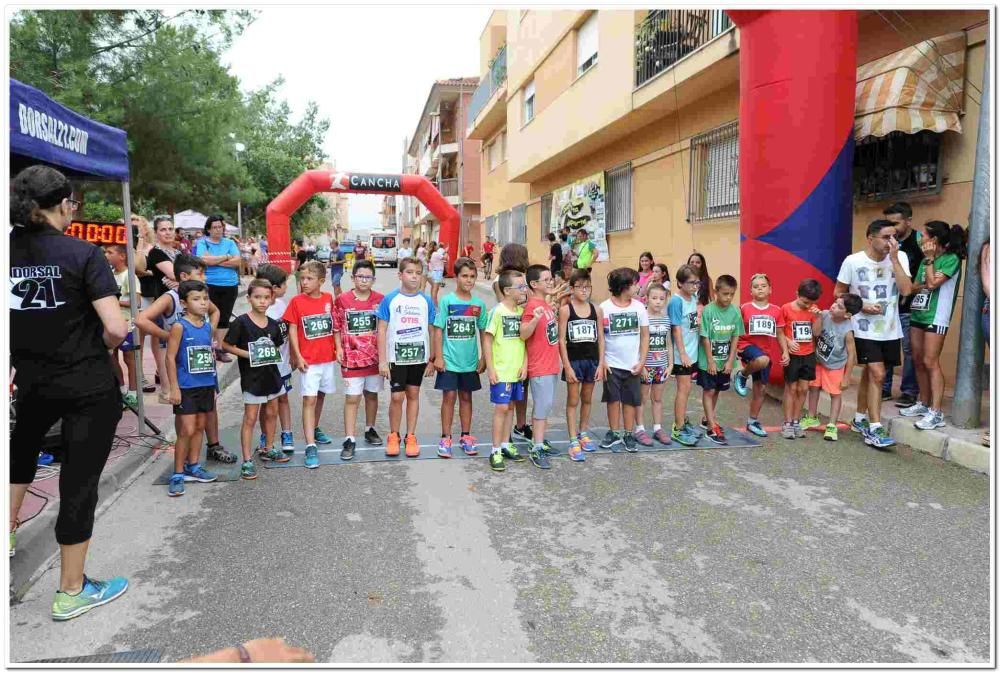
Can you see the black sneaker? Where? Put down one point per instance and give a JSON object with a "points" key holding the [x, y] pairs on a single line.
{"points": [[372, 438], [540, 459], [717, 435], [904, 400], [704, 423], [886, 395], [348, 451], [522, 433], [631, 445]]}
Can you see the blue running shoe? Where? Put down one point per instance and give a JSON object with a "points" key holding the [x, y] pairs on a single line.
{"points": [[879, 438], [196, 472], [444, 447], [740, 384], [312, 457], [756, 428], [321, 437], [263, 442], [45, 459], [861, 427], [93, 594], [539, 458], [287, 442], [176, 486], [587, 443], [549, 449]]}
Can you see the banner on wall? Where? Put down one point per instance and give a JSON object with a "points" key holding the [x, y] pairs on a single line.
{"points": [[580, 205]]}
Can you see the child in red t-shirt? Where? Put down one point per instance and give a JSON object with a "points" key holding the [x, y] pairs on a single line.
{"points": [[763, 341], [802, 322], [310, 333], [540, 332]]}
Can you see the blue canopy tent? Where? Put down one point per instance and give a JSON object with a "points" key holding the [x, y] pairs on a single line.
{"points": [[43, 131]]}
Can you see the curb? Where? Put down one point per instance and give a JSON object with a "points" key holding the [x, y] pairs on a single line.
{"points": [[955, 445]]}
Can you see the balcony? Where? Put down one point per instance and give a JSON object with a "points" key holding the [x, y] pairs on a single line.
{"points": [[486, 106], [668, 35], [448, 187]]}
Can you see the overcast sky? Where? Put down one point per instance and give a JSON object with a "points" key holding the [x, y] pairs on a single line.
{"points": [[369, 70]]}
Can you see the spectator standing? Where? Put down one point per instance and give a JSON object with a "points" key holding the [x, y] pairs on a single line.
{"points": [[706, 291], [555, 256], [585, 251], [901, 215], [222, 257]]}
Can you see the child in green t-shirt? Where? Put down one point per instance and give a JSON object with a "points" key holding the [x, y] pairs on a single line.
{"points": [[506, 364], [458, 341], [721, 327]]}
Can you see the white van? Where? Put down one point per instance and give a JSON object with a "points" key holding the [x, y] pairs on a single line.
{"points": [[383, 246]]}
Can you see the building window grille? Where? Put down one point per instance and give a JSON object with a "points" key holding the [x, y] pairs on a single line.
{"points": [[519, 224], [715, 175], [503, 227], [546, 216], [491, 226], [897, 165], [618, 187]]}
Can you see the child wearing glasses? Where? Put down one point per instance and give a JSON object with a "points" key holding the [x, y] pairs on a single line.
{"points": [[355, 331], [684, 323], [540, 332], [506, 364], [581, 344]]}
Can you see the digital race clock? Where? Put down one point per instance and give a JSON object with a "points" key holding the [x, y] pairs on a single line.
{"points": [[99, 233]]}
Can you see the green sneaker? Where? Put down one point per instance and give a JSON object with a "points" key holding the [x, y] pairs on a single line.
{"points": [[93, 594], [13, 542], [131, 398], [248, 470], [809, 422], [274, 454], [496, 462], [512, 454], [831, 433]]}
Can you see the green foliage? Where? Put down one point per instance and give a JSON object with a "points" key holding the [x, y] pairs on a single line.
{"points": [[159, 77], [100, 211]]}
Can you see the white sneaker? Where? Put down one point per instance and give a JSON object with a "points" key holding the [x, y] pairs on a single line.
{"points": [[932, 420], [915, 410]]}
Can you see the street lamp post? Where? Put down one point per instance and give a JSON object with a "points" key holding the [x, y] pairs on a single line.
{"points": [[237, 148]]}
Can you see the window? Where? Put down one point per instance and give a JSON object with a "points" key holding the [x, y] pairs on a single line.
{"points": [[519, 224], [586, 44], [387, 242], [618, 187], [897, 164], [491, 226], [546, 215], [503, 227], [715, 183], [494, 154], [529, 101]]}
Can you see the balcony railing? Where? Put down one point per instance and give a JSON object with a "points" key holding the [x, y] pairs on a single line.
{"points": [[495, 77], [668, 35], [449, 187]]}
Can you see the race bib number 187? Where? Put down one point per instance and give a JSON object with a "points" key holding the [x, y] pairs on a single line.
{"points": [[582, 331]]}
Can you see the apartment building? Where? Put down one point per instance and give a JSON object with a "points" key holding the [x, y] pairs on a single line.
{"points": [[636, 111], [440, 151]]}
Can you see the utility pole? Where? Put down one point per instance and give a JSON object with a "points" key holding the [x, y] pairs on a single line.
{"points": [[969, 382], [463, 230]]}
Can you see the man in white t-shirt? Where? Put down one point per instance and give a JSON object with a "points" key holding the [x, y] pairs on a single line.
{"points": [[404, 251], [879, 274]]}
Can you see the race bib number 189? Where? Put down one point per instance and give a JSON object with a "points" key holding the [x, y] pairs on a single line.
{"points": [[762, 325]]}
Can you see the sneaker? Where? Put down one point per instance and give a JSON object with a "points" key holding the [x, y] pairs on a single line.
{"points": [[886, 395], [540, 459], [587, 443], [468, 444], [612, 441], [273, 455], [197, 473], [914, 410], [691, 430], [905, 400], [321, 437], [575, 452], [861, 427], [496, 462], [512, 454], [662, 437], [879, 438], [444, 448], [788, 431], [717, 434], [631, 444], [831, 432], [13, 541], [755, 428], [45, 459], [392, 445], [703, 424], [131, 398], [523, 433], [412, 448], [263, 443], [93, 594], [683, 437], [219, 454], [312, 457], [176, 486], [740, 384], [248, 470], [642, 438], [287, 442], [347, 453], [933, 419], [809, 422], [372, 438], [549, 449], [799, 430], [148, 387]]}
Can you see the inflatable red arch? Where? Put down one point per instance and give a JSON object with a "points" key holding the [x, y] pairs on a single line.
{"points": [[280, 210]]}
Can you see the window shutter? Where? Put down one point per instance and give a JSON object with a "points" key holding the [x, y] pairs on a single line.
{"points": [[586, 41]]}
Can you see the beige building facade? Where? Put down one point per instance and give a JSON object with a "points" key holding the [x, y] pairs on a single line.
{"points": [[650, 99]]}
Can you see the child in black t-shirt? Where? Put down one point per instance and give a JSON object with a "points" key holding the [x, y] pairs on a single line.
{"points": [[255, 338]]}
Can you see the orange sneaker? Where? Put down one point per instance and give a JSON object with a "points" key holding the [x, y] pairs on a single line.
{"points": [[412, 448], [392, 445]]}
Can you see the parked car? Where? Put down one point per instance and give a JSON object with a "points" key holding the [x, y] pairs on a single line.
{"points": [[323, 254]]}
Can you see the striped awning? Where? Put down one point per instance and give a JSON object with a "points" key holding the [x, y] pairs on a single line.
{"points": [[915, 89]]}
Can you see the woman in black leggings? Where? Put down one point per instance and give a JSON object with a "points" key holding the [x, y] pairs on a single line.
{"points": [[64, 318]]}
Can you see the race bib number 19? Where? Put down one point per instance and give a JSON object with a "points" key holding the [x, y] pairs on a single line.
{"points": [[317, 326], [802, 331], [200, 360]]}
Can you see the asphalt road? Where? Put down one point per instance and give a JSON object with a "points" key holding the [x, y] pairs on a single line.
{"points": [[798, 551]]}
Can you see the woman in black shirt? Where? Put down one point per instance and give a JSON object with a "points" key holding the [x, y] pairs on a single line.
{"points": [[64, 318]]}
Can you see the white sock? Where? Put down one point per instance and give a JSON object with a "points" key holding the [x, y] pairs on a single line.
{"points": [[350, 437], [858, 418], [539, 446], [505, 445], [495, 450], [657, 427], [874, 426], [639, 428]]}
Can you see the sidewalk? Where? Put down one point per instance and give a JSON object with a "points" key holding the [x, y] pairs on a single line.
{"points": [[132, 448]]}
